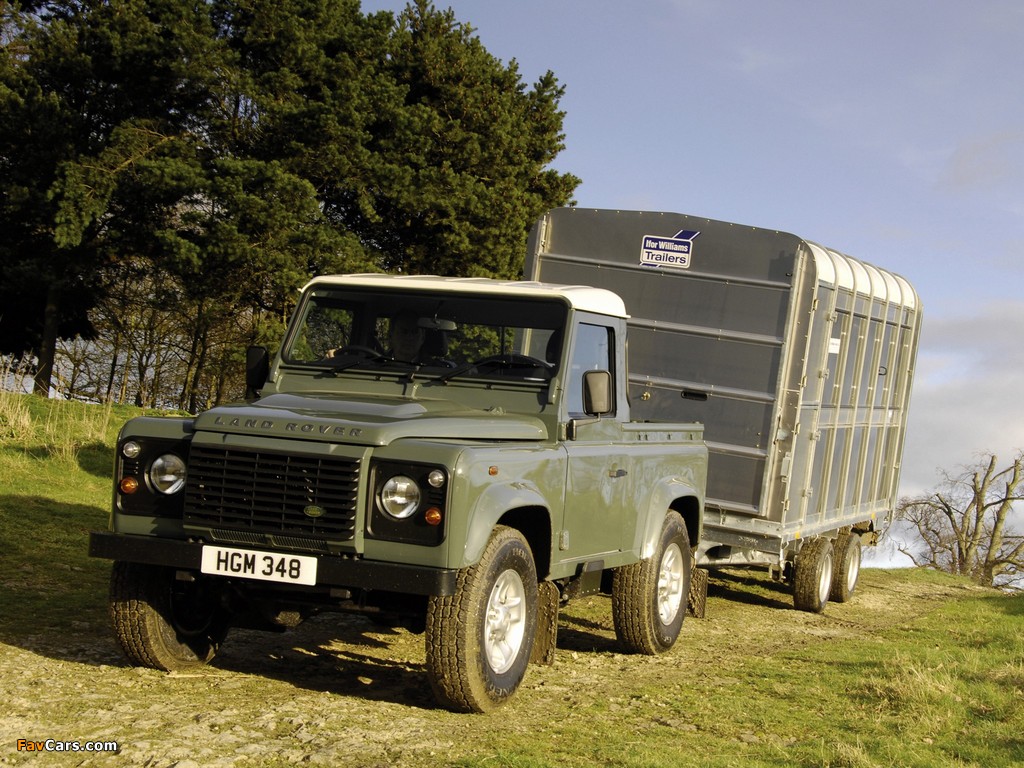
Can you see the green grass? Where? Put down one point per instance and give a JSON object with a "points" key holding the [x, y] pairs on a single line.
{"points": [[919, 669], [942, 685], [928, 693], [55, 466]]}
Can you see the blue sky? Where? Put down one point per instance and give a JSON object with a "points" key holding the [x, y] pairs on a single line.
{"points": [[890, 131]]}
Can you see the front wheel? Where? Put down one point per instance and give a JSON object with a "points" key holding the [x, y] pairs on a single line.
{"points": [[479, 640], [164, 623], [649, 597]]}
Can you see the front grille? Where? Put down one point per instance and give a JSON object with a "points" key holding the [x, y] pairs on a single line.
{"points": [[271, 493]]}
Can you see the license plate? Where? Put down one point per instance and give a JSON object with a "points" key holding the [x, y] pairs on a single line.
{"points": [[265, 566]]}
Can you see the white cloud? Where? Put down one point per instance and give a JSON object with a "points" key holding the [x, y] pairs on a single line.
{"points": [[967, 399], [990, 163], [760, 61]]}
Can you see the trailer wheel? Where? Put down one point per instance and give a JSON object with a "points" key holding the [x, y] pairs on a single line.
{"points": [[649, 597], [847, 572], [479, 640], [163, 623], [813, 578]]}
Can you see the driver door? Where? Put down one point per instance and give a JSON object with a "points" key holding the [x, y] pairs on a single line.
{"points": [[599, 484]]}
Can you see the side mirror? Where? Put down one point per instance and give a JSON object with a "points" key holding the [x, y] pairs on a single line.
{"points": [[597, 393], [257, 369]]}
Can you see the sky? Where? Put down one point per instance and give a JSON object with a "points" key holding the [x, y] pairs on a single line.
{"points": [[890, 131]]}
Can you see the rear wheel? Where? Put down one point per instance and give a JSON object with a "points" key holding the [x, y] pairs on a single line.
{"points": [[479, 640], [812, 581], [164, 623], [847, 571], [649, 597]]}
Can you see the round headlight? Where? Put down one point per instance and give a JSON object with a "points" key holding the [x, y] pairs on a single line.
{"points": [[167, 473], [399, 496]]}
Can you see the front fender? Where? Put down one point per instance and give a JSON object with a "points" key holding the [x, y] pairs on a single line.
{"points": [[492, 504]]}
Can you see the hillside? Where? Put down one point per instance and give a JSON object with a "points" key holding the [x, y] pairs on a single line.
{"points": [[919, 669]]}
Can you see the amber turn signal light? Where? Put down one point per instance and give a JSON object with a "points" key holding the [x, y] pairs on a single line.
{"points": [[128, 485], [432, 516]]}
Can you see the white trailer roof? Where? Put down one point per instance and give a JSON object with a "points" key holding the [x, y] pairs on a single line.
{"points": [[835, 268], [581, 297]]}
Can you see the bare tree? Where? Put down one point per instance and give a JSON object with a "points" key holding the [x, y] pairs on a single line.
{"points": [[966, 525]]}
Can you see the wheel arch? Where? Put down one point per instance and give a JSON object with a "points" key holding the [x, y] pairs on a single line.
{"points": [[517, 506], [672, 494], [689, 508], [534, 523]]}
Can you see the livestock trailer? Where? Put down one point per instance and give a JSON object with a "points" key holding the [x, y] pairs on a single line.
{"points": [[797, 359]]}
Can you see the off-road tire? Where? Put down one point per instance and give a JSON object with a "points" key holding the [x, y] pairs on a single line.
{"points": [[163, 623], [847, 571], [649, 597], [479, 640], [812, 581]]}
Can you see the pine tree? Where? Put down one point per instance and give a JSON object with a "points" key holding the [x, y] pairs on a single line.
{"points": [[240, 147]]}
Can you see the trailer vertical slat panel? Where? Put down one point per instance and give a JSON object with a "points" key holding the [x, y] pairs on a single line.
{"points": [[797, 359]]}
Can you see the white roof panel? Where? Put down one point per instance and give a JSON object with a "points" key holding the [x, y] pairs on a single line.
{"points": [[581, 297]]}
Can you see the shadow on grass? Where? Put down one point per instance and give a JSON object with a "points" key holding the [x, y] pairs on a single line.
{"points": [[54, 594], [341, 654], [96, 458], [576, 633], [1010, 604], [751, 588], [347, 654]]}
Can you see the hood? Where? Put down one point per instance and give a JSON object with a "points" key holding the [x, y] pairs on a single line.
{"points": [[366, 421]]}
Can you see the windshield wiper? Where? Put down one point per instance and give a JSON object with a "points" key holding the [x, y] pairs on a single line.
{"points": [[457, 371], [360, 355], [499, 361]]}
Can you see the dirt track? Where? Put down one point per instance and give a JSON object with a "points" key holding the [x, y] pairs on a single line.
{"points": [[341, 691]]}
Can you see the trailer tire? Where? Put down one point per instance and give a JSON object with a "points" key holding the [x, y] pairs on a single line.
{"points": [[847, 572], [479, 640], [649, 597], [163, 623], [812, 581]]}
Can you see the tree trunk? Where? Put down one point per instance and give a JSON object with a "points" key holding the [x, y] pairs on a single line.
{"points": [[193, 355], [108, 397], [197, 376], [48, 348]]}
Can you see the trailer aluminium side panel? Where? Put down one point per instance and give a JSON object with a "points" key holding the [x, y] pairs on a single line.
{"points": [[797, 359]]}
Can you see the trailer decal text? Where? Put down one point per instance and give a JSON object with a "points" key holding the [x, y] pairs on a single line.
{"points": [[661, 251]]}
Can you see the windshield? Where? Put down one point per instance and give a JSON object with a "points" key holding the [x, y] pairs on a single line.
{"points": [[447, 335]]}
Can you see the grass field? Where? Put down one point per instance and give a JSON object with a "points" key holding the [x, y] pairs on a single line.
{"points": [[919, 669]]}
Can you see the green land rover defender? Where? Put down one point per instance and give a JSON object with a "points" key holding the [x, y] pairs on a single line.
{"points": [[455, 455]]}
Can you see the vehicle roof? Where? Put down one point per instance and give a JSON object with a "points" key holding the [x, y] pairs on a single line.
{"points": [[581, 297]]}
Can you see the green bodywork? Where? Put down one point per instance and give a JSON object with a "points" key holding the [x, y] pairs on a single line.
{"points": [[588, 491]]}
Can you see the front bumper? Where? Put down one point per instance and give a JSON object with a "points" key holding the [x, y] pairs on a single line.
{"points": [[332, 570]]}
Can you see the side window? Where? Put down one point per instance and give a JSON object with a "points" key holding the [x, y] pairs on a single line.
{"points": [[592, 352], [325, 328]]}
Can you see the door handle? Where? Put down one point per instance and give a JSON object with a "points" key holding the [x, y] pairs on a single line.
{"points": [[613, 473]]}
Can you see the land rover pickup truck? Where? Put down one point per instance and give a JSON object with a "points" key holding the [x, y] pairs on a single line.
{"points": [[456, 455]]}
